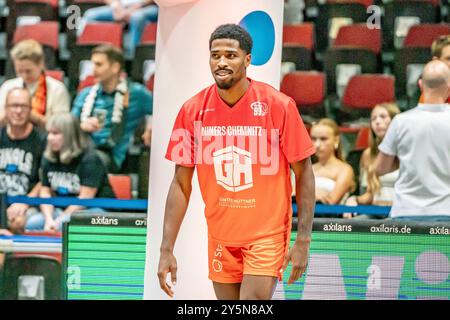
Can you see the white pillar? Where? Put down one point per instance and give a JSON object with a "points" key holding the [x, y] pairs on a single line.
{"points": [[182, 70]]}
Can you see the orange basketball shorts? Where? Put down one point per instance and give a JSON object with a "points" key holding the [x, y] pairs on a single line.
{"points": [[264, 257]]}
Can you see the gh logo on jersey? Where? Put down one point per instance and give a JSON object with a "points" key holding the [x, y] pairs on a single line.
{"points": [[259, 108], [231, 165]]}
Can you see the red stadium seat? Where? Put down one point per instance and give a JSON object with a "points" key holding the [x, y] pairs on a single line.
{"points": [[362, 139], [423, 35], [299, 34], [342, 62], [362, 93], [55, 74], [367, 90], [333, 15], [83, 5], [307, 88], [87, 82], [298, 45], [361, 143], [101, 33], [149, 34], [359, 36], [150, 83], [43, 9], [417, 12], [46, 33], [355, 44], [121, 185]]}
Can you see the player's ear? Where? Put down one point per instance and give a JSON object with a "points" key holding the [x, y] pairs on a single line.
{"points": [[248, 60]]}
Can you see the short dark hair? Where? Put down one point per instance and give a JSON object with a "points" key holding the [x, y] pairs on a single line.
{"points": [[113, 54], [234, 32]]}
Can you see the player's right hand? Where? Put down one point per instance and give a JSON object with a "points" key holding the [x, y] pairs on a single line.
{"points": [[167, 264]]}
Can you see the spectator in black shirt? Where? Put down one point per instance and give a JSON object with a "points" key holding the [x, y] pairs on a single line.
{"points": [[69, 168], [21, 148]]}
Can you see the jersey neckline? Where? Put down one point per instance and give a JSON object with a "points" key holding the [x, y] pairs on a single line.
{"points": [[237, 105]]}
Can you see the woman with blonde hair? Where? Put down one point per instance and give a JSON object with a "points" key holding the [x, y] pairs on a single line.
{"points": [[48, 95], [69, 168], [377, 190], [333, 176]]}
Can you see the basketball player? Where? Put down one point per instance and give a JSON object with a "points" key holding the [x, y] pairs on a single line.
{"points": [[225, 131]]}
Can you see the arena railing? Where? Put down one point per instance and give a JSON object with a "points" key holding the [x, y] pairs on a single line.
{"points": [[142, 205]]}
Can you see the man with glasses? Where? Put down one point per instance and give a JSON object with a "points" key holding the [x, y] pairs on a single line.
{"points": [[21, 148]]}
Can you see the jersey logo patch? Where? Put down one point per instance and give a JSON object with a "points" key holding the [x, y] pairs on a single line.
{"points": [[233, 168], [259, 108]]}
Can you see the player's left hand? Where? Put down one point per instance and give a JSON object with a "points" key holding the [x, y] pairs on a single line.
{"points": [[298, 255]]}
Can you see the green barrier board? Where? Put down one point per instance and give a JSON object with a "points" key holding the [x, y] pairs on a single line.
{"points": [[353, 260]]}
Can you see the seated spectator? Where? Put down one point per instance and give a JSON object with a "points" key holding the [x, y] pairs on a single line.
{"points": [[334, 177], [49, 96], [378, 190], [137, 13], [440, 50], [21, 148], [111, 110], [417, 142], [70, 168]]}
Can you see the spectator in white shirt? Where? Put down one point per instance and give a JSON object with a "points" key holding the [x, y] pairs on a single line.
{"points": [[420, 139], [48, 95]]}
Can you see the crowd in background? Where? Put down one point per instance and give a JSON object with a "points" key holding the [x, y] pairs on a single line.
{"points": [[336, 179], [52, 146]]}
